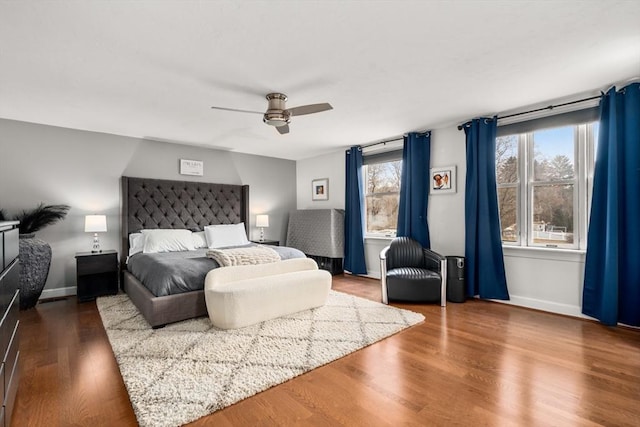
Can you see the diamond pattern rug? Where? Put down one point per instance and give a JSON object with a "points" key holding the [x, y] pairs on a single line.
{"points": [[186, 370]]}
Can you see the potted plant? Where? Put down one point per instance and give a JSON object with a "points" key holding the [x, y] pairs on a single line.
{"points": [[35, 254]]}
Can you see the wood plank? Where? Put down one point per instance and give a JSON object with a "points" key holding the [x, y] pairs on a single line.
{"points": [[474, 363]]}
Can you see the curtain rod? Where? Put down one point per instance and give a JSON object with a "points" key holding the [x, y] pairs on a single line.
{"points": [[397, 138], [384, 141], [550, 107]]}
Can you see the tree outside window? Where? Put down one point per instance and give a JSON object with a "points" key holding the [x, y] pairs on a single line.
{"points": [[382, 197], [540, 185]]}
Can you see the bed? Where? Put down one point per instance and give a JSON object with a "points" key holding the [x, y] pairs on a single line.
{"points": [[162, 204]]}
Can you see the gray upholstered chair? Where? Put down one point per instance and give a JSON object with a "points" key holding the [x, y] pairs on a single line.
{"points": [[409, 272]]}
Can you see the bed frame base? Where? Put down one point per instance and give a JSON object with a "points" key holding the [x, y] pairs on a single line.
{"points": [[159, 311]]}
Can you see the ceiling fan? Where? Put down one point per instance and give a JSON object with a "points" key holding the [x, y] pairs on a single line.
{"points": [[278, 114]]}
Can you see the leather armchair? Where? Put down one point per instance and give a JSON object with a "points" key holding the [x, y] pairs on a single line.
{"points": [[409, 272]]}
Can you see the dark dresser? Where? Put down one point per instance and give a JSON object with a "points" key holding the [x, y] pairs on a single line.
{"points": [[9, 307]]}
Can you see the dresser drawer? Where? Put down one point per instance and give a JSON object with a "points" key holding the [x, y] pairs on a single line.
{"points": [[97, 264], [8, 325], [10, 246], [9, 281], [2, 393], [12, 389], [11, 356]]}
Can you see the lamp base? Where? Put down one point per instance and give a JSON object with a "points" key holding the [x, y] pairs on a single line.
{"points": [[96, 244]]}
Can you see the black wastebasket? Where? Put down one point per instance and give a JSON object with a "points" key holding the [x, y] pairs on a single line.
{"points": [[455, 279]]}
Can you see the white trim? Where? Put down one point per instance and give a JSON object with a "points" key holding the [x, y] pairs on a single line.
{"points": [[538, 252], [549, 306], [58, 292], [375, 276], [378, 236]]}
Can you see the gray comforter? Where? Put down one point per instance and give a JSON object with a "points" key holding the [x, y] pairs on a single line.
{"points": [[171, 273]]}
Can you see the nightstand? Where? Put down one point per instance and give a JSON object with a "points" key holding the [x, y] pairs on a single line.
{"points": [[97, 274], [268, 242]]}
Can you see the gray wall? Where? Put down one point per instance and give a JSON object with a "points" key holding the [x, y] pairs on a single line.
{"points": [[549, 280], [54, 165]]}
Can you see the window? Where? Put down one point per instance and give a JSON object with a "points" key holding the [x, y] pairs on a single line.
{"points": [[544, 185], [382, 196]]}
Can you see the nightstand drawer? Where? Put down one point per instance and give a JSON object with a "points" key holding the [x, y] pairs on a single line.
{"points": [[96, 264]]}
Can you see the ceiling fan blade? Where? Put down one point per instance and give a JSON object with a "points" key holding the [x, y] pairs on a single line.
{"points": [[309, 109], [283, 129], [237, 111]]}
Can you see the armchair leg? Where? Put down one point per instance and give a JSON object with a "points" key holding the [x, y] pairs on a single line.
{"points": [[443, 285], [383, 275]]}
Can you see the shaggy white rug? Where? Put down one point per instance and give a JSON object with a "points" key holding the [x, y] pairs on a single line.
{"points": [[190, 369]]}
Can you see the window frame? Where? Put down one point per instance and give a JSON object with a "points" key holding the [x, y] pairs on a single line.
{"points": [[517, 185], [378, 158], [584, 138]]}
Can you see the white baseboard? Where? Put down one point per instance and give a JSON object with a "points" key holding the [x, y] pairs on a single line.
{"points": [[372, 275], [369, 275], [550, 306], [58, 292]]}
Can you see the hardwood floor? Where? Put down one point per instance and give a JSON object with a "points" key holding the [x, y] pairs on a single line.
{"points": [[477, 363]]}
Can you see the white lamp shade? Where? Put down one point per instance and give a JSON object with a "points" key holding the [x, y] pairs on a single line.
{"points": [[95, 223], [262, 220]]}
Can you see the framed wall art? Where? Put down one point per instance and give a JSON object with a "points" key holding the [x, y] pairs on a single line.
{"points": [[443, 180], [320, 189], [191, 167]]}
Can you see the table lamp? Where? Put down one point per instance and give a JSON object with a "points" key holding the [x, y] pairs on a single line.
{"points": [[95, 224], [262, 221]]}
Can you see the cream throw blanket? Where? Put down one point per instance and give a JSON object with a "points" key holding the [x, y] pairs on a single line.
{"points": [[243, 256]]}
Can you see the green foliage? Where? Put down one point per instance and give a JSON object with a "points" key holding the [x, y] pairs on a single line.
{"points": [[36, 219]]}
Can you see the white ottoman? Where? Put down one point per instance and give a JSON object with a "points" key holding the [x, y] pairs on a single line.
{"points": [[243, 295]]}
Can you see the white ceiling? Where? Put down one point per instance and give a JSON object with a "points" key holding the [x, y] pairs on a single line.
{"points": [[152, 69]]}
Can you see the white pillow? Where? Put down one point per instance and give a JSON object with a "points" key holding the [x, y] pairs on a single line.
{"points": [[199, 239], [163, 240], [220, 236], [136, 243]]}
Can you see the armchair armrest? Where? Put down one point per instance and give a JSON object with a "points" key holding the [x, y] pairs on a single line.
{"points": [[436, 262], [433, 260], [383, 274]]}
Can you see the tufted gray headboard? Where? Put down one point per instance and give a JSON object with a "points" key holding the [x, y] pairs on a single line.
{"points": [[157, 203]]}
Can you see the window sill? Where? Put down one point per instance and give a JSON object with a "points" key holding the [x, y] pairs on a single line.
{"points": [[554, 254], [374, 237]]}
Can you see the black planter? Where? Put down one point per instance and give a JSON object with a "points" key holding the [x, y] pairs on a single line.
{"points": [[35, 260]]}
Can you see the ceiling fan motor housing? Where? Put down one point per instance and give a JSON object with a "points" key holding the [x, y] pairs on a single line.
{"points": [[277, 114]]}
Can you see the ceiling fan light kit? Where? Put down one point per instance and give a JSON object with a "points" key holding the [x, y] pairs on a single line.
{"points": [[278, 115]]}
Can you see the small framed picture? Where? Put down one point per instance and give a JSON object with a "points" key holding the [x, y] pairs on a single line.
{"points": [[191, 167], [443, 180], [320, 189]]}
